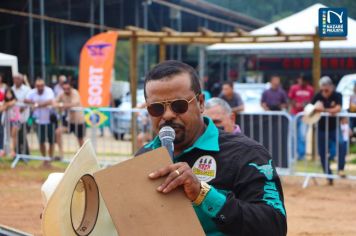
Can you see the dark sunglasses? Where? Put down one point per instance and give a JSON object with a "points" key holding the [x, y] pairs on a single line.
{"points": [[178, 106]]}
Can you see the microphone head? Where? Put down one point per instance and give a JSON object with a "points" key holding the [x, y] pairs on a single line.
{"points": [[167, 132]]}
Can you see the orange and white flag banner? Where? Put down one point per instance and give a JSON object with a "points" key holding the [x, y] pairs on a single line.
{"points": [[95, 69]]}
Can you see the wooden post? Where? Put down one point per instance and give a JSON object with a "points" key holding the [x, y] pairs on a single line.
{"points": [[133, 90], [316, 78], [316, 61], [162, 51]]}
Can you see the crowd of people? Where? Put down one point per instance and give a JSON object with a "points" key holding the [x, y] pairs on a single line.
{"points": [[333, 133], [49, 109]]}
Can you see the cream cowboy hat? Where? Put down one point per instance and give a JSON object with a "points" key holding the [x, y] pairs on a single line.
{"points": [[73, 205], [310, 115]]}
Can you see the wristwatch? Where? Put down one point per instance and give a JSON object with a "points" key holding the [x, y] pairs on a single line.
{"points": [[204, 189]]}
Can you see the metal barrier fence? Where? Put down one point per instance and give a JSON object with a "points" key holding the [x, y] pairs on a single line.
{"points": [[329, 142], [127, 129], [273, 130], [113, 142]]}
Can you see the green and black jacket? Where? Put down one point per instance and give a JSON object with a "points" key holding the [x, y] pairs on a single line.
{"points": [[246, 197]]}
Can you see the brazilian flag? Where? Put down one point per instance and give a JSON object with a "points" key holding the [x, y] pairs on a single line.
{"points": [[96, 118]]}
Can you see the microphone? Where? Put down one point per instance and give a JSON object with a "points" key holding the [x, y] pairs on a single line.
{"points": [[167, 136]]}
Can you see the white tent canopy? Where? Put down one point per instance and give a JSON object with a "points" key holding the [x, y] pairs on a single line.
{"points": [[9, 60], [303, 22]]}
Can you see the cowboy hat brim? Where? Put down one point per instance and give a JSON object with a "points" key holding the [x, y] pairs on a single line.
{"points": [[57, 217], [310, 115]]}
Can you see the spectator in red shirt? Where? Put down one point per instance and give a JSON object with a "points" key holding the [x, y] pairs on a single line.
{"points": [[300, 94]]}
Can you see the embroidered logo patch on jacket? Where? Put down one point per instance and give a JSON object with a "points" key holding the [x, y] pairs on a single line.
{"points": [[267, 169], [271, 195]]}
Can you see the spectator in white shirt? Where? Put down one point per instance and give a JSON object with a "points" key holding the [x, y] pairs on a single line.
{"points": [[42, 98], [21, 90], [58, 88]]}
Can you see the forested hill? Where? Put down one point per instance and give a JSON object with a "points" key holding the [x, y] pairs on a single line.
{"points": [[273, 10]]}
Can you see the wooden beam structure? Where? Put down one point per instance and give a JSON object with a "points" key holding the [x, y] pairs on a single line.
{"points": [[204, 36], [207, 36], [316, 71], [169, 36]]}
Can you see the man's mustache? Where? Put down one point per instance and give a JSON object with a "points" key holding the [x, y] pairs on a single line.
{"points": [[171, 124]]}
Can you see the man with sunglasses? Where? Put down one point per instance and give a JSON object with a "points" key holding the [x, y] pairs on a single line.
{"points": [[329, 101], [230, 179]]}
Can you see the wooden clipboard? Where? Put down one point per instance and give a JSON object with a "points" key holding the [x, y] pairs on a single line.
{"points": [[136, 207]]}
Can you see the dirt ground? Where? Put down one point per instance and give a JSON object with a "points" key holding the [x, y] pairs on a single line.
{"points": [[316, 210]]}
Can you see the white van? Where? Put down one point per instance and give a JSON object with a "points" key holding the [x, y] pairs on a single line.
{"points": [[7, 60], [346, 88]]}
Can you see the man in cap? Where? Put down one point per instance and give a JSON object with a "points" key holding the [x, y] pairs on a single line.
{"points": [[229, 178]]}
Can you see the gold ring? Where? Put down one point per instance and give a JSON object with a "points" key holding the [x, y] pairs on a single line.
{"points": [[177, 171]]}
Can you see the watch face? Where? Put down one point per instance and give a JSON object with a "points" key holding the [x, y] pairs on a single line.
{"points": [[205, 185]]}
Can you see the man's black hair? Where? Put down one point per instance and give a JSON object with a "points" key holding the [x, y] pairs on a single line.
{"points": [[229, 82], [170, 68]]}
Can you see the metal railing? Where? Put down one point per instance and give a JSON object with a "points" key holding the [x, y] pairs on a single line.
{"points": [[112, 142], [328, 147], [273, 130]]}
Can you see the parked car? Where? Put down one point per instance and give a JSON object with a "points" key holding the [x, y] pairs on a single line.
{"points": [[251, 94], [346, 88], [120, 121]]}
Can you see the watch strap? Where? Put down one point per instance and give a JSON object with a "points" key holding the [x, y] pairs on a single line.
{"points": [[204, 189]]}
